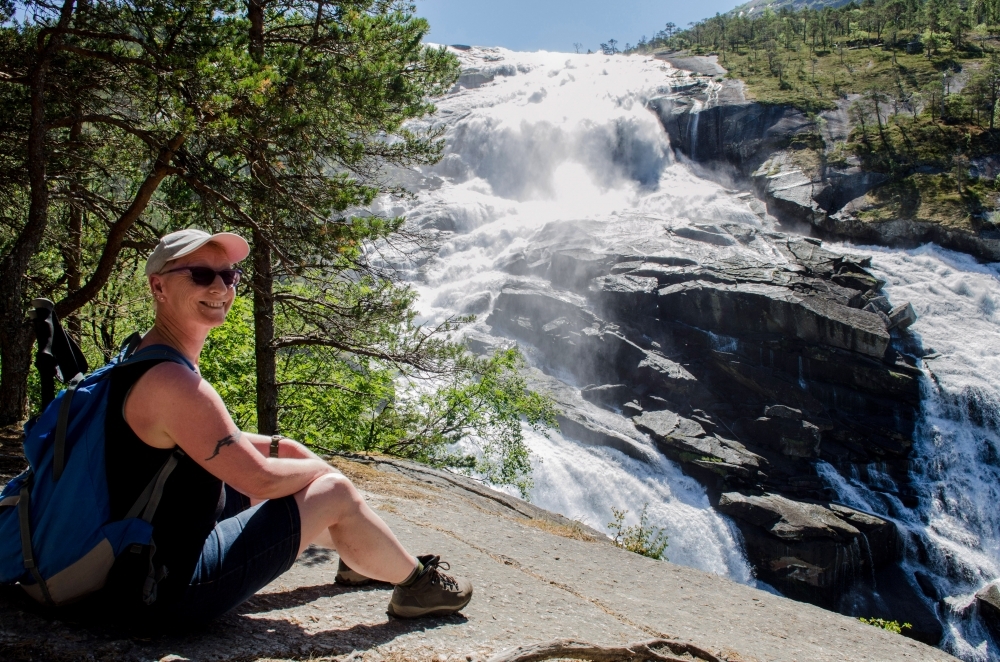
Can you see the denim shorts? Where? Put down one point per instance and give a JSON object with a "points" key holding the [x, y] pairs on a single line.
{"points": [[248, 549]]}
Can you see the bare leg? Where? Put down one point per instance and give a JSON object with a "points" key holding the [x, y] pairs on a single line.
{"points": [[332, 510]]}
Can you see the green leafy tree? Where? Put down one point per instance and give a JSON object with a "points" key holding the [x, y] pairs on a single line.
{"points": [[96, 101], [126, 120]]}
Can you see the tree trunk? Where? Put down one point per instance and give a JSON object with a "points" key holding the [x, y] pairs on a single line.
{"points": [[263, 276], [15, 333], [15, 357], [263, 326], [72, 250]]}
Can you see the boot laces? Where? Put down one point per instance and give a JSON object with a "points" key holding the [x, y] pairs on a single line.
{"points": [[434, 567]]}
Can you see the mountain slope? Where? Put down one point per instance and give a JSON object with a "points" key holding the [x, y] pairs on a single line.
{"points": [[757, 6]]}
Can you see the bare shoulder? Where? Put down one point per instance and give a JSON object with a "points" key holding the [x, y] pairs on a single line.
{"points": [[168, 394]]}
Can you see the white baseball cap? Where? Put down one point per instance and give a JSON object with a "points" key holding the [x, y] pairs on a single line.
{"points": [[183, 242]]}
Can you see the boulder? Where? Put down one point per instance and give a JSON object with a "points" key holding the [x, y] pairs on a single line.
{"points": [[790, 194], [752, 308], [902, 316], [686, 441], [787, 520], [988, 605], [805, 550]]}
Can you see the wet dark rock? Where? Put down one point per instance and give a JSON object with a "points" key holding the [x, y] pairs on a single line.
{"points": [[582, 429], [988, 604], [793, 438], [686, 441], [575, 339], [889, 594], [781, 411], [744, 369], [809, 551], [738, 132], [578, 420], [709, 234], [611, 396], [751, 308], [902, 316], [882, 537]]}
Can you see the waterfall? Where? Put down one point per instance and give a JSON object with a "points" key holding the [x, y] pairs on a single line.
{"points": [[693, 128], [952, 538], [544, 137]]}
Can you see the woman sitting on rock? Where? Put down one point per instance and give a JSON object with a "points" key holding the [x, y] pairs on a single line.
{"points": [[213, 549]]}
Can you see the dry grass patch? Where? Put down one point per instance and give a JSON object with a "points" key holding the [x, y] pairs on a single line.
{"points": [[573, 531], [371, 479]]}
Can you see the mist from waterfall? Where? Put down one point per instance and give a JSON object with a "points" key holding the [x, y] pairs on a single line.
{"points": [[534, 138]]}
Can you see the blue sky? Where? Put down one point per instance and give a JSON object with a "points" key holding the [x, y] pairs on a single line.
{"points": [[554, 25]]}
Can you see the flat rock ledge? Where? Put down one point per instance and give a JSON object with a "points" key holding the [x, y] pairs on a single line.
{"points": [[538, 577]]}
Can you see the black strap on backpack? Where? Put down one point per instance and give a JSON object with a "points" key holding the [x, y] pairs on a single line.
{"points": [[58, 354]]}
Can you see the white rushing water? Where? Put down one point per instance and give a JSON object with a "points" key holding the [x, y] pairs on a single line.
{"points": [[953, 537], [568, 137], [549, 137]]}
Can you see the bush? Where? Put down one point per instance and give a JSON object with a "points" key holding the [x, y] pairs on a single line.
{"points": [[891, 626], [639, 538]]}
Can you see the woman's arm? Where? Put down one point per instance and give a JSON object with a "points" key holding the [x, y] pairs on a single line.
{"points": [[172, 406], [288, 448]]}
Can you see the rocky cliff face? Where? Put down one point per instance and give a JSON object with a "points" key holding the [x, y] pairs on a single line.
{"points": [[747, 357], [785, 156]]}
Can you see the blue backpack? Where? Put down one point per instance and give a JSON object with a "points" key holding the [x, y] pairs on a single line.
{"points": [[57, 539]]}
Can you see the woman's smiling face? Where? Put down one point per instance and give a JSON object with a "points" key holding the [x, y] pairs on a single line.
{"points": [[182, 300]]}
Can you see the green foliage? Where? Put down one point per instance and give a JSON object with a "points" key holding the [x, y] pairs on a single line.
{"points": [[640, 538], [227, 363], [891, 626], [280, 124], [469, 420], [928, 84]]}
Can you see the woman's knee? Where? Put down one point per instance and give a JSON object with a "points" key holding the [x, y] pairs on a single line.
{"points": [[336, 494]]}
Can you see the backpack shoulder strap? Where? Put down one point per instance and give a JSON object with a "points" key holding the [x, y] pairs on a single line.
{"points": [[157, 353], [147, 503], [62, 423], [151, 353], [27, 553]]}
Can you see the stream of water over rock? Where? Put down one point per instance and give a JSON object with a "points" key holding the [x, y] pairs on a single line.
{"points": [[538, 138]]}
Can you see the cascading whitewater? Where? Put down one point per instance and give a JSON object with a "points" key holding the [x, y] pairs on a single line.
{"points": [[534, 138], [953, 537], [554, 137]]}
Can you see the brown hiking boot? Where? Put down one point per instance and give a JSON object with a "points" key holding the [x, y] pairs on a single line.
{"points": [[432, 593], [347, 577]]}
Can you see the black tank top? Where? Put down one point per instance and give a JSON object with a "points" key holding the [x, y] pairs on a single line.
{"points": [[192, 500]]}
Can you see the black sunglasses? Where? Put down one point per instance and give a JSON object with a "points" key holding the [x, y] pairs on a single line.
{"points": [[203, 276]]}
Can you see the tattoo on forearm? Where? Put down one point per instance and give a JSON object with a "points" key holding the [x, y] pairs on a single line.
{"points": [[228, 440]]}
